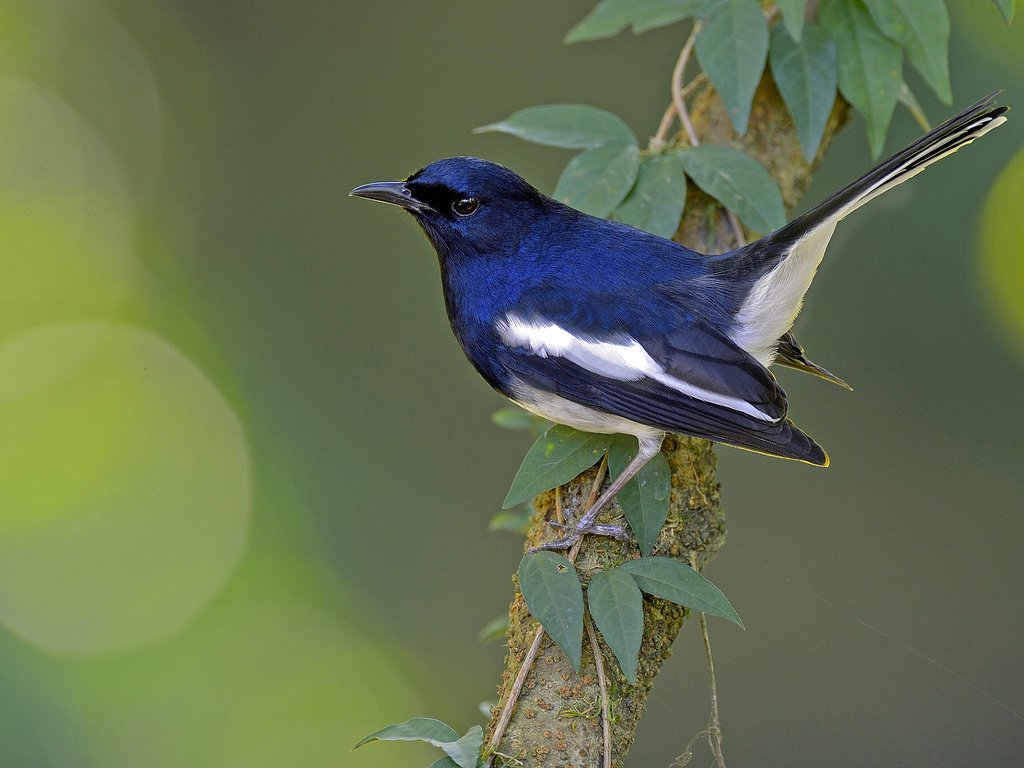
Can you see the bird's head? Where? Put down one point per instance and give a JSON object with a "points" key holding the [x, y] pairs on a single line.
{"points": [[466, 206]]}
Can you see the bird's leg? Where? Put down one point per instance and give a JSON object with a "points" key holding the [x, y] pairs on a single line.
{"points": [[648, 448]]}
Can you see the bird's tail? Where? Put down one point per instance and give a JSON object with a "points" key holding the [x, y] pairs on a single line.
{"points": [[779, 268], [944, 140]]}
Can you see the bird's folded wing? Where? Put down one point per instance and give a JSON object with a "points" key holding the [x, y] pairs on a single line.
{"points": [[689, 378]]}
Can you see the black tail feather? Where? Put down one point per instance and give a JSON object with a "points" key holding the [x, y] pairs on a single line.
{"points": [[945, 139]]}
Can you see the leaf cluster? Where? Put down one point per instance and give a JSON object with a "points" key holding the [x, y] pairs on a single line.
{"points": [[855, 48], [554, 594], [550, 583], [613, 176], [871, 38]]}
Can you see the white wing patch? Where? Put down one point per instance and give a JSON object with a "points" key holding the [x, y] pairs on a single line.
{"points": [[624, 360]]}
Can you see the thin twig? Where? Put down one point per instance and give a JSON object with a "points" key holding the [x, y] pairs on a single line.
{"points": [[517, 688], [661, 137], [677, 106], [737, 230], [679, 94], [559, 517], [531, 654], [714, 729], [677, 85], [606, 726], [693, 85]]}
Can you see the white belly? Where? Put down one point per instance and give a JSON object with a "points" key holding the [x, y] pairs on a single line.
{"points": [[581, 417]]}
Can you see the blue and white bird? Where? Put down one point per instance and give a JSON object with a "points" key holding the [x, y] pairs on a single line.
{"points": [[606, 328]]}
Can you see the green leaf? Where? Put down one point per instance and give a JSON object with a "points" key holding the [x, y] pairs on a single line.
{"points": [[572, 126], [444, 762], [493, 629], [806, 76], [732, 47], [597, 180], [869, 65], [909, 100], [644, 499], [558, 455], [1006, 8], [922, 27], [516, 521], [739, 182], [466, 750], [415, 729], [612, 16], [551, 588], [794, 14], [656, 201], [617, 607], [679, 583]]}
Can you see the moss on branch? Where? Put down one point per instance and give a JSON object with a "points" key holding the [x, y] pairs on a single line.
{"points": [[557, 720]]}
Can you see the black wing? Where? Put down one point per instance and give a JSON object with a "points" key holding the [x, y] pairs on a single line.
{"points": [[707, 386]]}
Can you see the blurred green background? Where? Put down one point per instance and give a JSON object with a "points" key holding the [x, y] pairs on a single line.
{"points": [[246, 474]]}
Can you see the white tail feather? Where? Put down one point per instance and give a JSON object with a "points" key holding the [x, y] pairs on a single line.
{"points": [[774, 299]]}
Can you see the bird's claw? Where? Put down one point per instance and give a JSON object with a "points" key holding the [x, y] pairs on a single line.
{"points": [[613, 531]]}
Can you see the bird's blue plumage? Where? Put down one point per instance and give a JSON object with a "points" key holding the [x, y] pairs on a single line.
{"points": [[525, 255], [599, 325]]}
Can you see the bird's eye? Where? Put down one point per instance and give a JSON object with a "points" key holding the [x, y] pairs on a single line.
{"points": [[465, 206]]}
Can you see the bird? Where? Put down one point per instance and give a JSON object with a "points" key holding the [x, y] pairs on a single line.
{"points": [[605, 328]]}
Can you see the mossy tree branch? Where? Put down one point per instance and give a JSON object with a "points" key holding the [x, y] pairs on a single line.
{"points": [[557, 721]]}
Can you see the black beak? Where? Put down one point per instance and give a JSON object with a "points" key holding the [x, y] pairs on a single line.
{"points": [[391, 192]]}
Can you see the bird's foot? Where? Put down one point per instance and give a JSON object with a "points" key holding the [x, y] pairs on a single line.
{"points": [[577, 532], [648, 446]]}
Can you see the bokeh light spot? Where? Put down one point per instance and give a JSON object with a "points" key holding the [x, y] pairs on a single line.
{"points": [[1002, 249], [124, 487], [278, 672], [65, 214], [82, 50]]}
